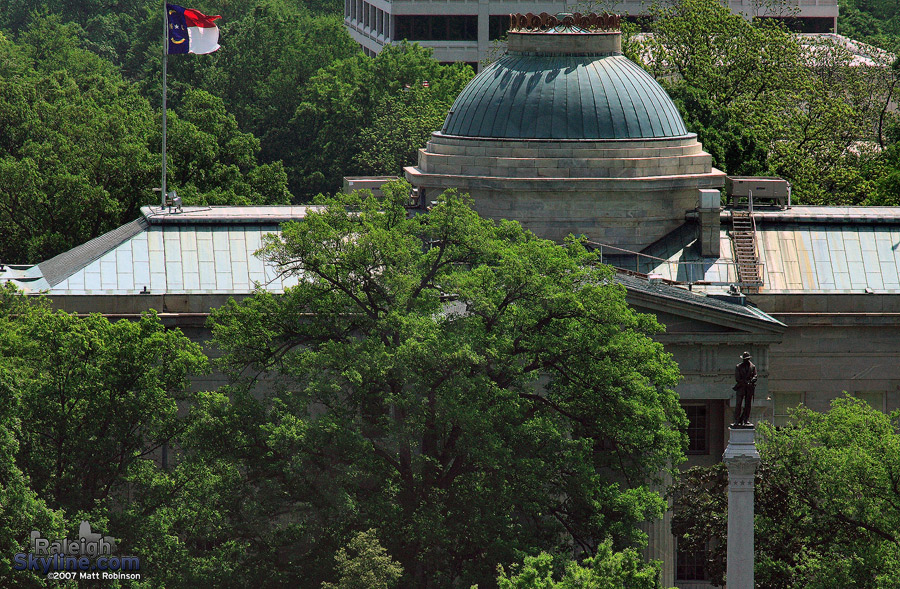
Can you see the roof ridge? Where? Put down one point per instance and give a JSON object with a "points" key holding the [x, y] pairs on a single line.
{"points": [[60, 267]]}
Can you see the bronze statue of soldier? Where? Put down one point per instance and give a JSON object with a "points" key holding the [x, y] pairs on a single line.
{"points": [[745, 375]]}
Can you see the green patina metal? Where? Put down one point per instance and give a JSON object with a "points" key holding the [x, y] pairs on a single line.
{"points": [[530, 96]]}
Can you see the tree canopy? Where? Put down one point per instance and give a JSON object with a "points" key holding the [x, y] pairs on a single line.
{"points": [[605, 570], [80, 147], [475, 392], [366, 115], [827, 501], [87, 407], [764, 101]]}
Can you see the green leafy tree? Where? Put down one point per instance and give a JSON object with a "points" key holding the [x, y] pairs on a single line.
{"points": [[73, 154], [366, 565], [827, 501], [87, 407], [79, 147], [96, 400], [213, 162], [345, 106], [270, 54], [21, 509], [605, 570], [872, 21], [400, 127], [764, 103], [475, 392]]}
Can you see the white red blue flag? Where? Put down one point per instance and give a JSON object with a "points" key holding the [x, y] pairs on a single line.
{"points": [[191, 31]]}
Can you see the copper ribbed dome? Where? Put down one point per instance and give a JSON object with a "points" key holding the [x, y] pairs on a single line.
{"points": [[555, 84]]}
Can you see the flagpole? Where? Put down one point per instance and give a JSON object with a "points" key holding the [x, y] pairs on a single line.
{"points": [[165, 58]]}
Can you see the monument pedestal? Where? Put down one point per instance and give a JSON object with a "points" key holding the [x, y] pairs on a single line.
{"points": [[741, 458]]}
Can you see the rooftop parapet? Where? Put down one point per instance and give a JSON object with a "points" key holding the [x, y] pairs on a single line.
{"points": [[565, 34]]}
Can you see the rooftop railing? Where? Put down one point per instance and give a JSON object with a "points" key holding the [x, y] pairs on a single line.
{"points": [[704, 272]]}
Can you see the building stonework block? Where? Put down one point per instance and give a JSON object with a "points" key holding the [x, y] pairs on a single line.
{"points": [[477, 171], [475, 151], [445, 169], [465, 160], [444, 148], [558, 152], [521, 152]]}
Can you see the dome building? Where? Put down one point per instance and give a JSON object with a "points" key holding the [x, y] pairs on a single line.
{"points": [[566, 135]]}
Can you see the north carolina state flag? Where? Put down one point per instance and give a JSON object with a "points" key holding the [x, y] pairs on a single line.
{"points": [[190, 31]]}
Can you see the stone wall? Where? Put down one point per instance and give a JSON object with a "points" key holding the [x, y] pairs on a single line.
{"points": [[835, 343], [625, 193]]}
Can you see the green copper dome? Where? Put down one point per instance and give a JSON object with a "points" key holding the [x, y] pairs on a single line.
{"points": [[534, 96]]}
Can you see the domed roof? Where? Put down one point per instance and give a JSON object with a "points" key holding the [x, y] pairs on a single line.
{"points": [[527, 95]]}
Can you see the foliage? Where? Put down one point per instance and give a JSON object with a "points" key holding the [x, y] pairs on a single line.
{"points": [[269, 55], [73, 149], [763, 103], [346, 107], [79, 147], [212, 162], [401, 124], [21, 509], [96, 399], [487, 395], [371, 567], [86, 406], [606, 570], [872, 21], [827, 501]]}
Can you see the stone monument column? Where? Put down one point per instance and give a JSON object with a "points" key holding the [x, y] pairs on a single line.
{"points": [[741, 459]]}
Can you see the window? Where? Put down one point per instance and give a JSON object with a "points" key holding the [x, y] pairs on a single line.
{"points": [[437, 27], [783, 402], [690, 566], [698, 429], [875, 400], [498, 26], [805, 24]]}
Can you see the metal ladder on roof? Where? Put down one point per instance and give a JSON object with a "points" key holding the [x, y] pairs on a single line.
{"points": [[746, 256]]}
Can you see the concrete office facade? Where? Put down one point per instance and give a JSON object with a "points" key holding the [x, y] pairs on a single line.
{"points": [[463, 30]]}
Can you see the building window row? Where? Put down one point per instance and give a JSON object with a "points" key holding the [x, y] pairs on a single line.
{"points": [[373, 19], [420, 27], [427, 27]]}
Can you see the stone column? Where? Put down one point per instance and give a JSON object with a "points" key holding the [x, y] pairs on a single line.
{"points": [[741, 459], [484, 43]]}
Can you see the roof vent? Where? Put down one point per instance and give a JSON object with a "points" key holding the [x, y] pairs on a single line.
{"points": [[655, 278]]}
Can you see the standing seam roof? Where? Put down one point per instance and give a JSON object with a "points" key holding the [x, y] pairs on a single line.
{"points": [[530, 96]]}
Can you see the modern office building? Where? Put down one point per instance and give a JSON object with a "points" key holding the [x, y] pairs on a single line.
{"points": [[465, 30]]}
